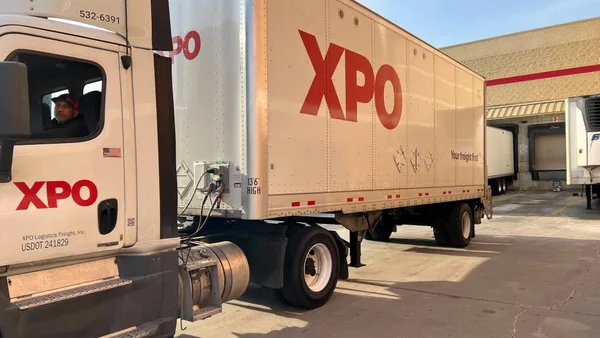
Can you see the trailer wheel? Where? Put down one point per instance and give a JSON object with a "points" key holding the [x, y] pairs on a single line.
{"points": [[441, 236], [460, 225], [440, 229], [382, 231], [498, 186], [504, 185], [311, 267]]}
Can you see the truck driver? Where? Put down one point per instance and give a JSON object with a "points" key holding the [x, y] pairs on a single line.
{"points": [[67, 121]]}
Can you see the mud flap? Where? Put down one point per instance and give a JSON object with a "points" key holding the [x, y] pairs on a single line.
{"points": [[343, 250], [487, 203]]}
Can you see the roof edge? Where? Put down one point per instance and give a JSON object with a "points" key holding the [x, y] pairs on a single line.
{"points": [[523, 103], [521, 32]]}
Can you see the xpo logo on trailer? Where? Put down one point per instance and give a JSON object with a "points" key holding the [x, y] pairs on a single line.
{"points": [[322, 85], [188, 45]]}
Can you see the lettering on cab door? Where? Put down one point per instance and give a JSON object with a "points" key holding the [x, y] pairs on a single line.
{"points": [[84, 193]]}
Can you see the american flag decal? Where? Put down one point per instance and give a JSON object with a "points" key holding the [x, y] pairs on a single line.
{"points": [[112, 152]]}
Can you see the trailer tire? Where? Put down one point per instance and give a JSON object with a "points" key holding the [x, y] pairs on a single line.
{"points": [[460, 225], [497, 187], [441, 236], [310, 249], [382, 231]]}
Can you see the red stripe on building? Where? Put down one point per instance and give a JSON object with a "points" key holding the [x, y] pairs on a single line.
{"points": [[544, 75]]}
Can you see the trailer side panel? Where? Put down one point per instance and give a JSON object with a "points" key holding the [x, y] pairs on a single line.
{"points": [[363, 115]]}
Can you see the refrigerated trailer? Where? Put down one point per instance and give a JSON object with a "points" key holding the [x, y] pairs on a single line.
{"points": [[583, 151], [500, 159], [220, 135]]}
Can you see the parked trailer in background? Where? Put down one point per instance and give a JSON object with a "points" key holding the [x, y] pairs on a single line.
{"points": [[500, 159], [201, 170], [583, 144]]}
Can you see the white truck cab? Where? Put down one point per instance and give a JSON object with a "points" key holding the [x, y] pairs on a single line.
{"points": [[88, 221]]}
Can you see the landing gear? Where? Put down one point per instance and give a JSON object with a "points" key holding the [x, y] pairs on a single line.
{"points": [[588, 196], [356, 239]]}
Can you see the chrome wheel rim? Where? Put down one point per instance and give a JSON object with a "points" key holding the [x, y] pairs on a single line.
{"points": [[317, 267], [466, 225]]}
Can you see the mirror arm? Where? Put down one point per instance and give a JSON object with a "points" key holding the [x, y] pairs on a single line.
{"points": [[6, 158]]}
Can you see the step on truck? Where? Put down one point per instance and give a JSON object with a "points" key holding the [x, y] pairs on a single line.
{"points": [[157, 157], [500, 159]]}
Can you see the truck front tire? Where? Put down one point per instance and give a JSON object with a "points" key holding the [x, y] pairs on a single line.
{"points": [[311, 267]]}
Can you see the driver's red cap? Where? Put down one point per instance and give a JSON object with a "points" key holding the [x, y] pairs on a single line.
{"points": [[69, 99]]}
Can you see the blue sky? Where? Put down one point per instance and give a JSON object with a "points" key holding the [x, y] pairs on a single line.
{"points": [[448, 22]]}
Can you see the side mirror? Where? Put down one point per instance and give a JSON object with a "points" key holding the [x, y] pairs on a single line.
{"points": [[14, 113]]}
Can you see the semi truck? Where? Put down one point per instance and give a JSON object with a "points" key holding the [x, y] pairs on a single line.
{"points": [[221, 136], [582, 124], [500, 159]]}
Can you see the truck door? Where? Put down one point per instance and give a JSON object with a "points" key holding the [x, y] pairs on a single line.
{"points": [[66, 197]]}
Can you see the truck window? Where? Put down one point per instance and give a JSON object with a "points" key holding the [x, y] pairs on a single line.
{"points": [[92, 86], [65, 97]]}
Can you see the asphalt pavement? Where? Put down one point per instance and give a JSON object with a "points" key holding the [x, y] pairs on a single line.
{"points": [[532, 271]]}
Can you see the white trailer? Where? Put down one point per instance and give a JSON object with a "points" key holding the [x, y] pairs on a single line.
{"points": [[219, 134], [583, 144], [500, 159]]}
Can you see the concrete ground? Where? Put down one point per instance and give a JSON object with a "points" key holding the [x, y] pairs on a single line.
{"points": [[532, 271]]}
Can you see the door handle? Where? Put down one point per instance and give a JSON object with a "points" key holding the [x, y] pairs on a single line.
{"points": [[108, 211]]}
